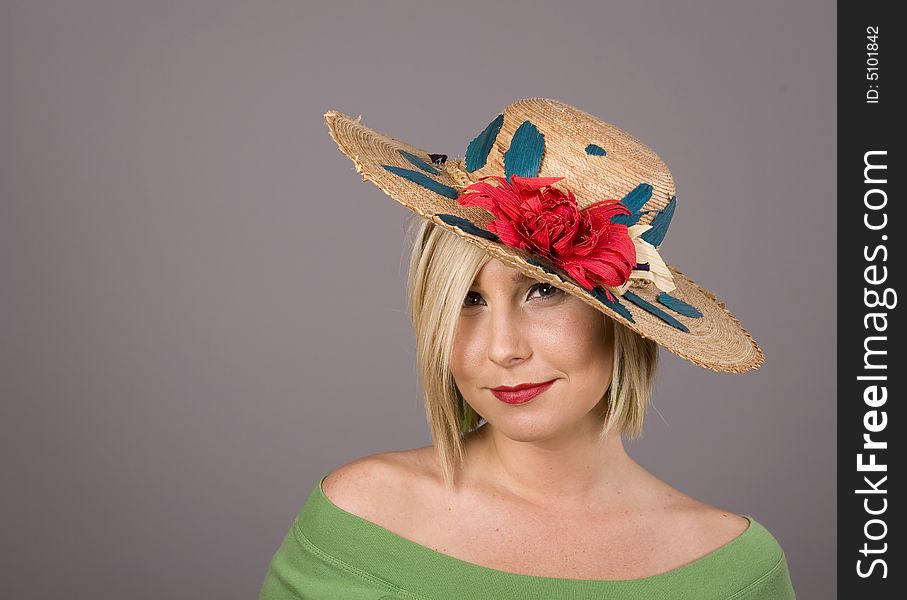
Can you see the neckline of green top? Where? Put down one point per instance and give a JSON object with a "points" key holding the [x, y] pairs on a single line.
{"points": [[367, 547]]}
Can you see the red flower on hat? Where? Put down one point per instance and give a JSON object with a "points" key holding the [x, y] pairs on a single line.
{"points": [[529, 214]]}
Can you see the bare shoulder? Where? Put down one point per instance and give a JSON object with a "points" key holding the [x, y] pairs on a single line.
{"points": [[721, 526], [377, 487], [701, 528], [707, 528]]}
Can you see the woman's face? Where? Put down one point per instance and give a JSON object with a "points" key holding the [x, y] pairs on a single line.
{"points": [[512, 330]]}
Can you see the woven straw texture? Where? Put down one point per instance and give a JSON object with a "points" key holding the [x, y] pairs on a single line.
{"points": [[715, 341]]}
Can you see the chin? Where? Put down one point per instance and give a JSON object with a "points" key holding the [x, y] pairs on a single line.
{"points": [[528, 429]]}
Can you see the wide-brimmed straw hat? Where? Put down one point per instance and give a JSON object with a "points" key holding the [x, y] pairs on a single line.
{"points": [[568, 199]]}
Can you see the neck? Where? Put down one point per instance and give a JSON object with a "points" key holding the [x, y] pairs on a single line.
{"points": [[570, 467]]}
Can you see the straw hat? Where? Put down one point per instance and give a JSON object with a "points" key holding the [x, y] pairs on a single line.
{"points": [[568, 199]]}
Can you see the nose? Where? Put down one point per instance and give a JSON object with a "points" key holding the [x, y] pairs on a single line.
{"points": [[508, 340]]}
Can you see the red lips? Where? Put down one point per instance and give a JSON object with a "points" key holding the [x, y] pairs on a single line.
{"points": [[520, 394], [522, 386]]}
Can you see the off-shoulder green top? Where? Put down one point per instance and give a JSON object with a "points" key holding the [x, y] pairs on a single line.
{"points": [[329, 554]]}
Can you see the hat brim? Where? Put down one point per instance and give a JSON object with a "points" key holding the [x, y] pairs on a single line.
{"points": [[715, 340]]}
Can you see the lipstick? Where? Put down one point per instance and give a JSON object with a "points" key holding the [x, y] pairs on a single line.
{"points": [[520, 394]]}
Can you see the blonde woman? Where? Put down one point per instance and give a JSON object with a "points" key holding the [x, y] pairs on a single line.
{"points": [[539, 299]]}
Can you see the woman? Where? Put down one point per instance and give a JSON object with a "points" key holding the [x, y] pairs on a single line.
{"points": [[538, 309]]}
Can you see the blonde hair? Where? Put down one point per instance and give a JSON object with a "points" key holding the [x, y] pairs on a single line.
{"points": [[442, 268]]}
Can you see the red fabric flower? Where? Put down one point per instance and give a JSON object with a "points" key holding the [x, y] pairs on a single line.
{"points": [[529, 214]]}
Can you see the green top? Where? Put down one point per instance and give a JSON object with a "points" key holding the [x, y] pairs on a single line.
{"points": [[330, 553]]}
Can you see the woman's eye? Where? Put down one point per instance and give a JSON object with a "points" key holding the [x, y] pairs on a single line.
{"points": [[551, 290], [471, 296], [546, 290]]}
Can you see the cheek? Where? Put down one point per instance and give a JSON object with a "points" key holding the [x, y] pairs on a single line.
{"points": [[464, 353], [582, 345]]}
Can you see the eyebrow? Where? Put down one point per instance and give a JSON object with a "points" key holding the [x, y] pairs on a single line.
{"points": [[517, 277]]}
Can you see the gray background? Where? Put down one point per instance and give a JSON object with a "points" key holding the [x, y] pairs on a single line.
{"points": [[202, 306]]}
